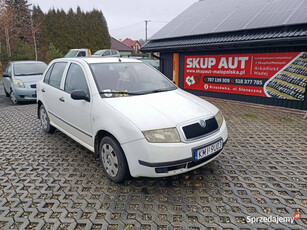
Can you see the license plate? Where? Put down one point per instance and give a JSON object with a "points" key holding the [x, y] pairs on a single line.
{"points": [[208, 150]]}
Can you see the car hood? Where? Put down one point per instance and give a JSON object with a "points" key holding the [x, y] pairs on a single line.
{"points": [[162, 110], [29, 79]]}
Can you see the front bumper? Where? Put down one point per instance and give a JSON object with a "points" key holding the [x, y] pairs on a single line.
{"points": [[25, 94], [167, 159]]}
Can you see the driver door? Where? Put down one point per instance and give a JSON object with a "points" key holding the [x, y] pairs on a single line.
{"points": [[76, 113]]}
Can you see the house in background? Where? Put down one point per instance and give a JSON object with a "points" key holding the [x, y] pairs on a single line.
{"points": [[123, 49], [134, 44]]}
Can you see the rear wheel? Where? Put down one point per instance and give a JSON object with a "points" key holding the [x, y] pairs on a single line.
{"points": [[13, 98], [45, 120], [113, 159]]}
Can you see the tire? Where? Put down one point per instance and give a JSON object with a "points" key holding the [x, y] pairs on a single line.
{"points": [[113, 159], [13, 98], [6, 93], [45, 122]]}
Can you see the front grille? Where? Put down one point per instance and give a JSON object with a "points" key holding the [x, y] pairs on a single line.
{"points": [[33, 86], [196, 130]]}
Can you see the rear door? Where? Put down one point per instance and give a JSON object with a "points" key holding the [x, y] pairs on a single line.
{"points": [[51, 91]]}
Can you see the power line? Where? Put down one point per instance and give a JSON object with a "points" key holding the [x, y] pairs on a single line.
{"points": [[122, 27], [160, 21]]}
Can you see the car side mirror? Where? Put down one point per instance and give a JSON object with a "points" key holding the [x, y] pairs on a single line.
{"points": [[80, 95], [6, 75]]}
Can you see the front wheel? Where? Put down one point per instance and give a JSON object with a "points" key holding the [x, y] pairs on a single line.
{"points": [[6, 93], [45, 120], [113, 159], [13, 98]]}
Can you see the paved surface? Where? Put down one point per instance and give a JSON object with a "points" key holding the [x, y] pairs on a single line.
{"points": [[48, 181]]}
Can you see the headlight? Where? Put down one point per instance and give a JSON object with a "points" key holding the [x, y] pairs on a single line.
{"points": [[162, 135], [18, 83], [219, 118]]}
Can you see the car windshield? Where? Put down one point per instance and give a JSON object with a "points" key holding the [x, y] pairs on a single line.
{"points": [[71, 53], [99, 52], [151, 62], [123, 79], [25, 69]]}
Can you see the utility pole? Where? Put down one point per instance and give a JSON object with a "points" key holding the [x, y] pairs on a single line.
{"points": [[146, 22]]}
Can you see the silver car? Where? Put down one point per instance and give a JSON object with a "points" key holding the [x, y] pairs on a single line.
{"points": [[20, 78], [107, 53]]}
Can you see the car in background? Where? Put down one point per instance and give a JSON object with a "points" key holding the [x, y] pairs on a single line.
{"points": [[132, 116], [153, 63], [78, 53], [20, 78], [107, 53]]}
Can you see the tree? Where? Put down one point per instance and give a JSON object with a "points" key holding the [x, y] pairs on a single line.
{"points": [[7, 18], [36, 20], [53, 53], [22, 22]]}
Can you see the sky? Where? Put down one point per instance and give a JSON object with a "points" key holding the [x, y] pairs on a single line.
{"points": [[126, 19]]}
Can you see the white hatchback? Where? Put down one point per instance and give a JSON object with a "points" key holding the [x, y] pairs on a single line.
{"points": [[132, 116]]}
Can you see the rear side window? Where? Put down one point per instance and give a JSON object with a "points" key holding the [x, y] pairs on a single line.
{"points": [[75, 79], [114, 52], [56, 74], [47, 75], [81, 54]]}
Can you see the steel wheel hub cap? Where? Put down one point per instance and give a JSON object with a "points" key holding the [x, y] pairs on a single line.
{"points": [[44, 119], [109, 160]]}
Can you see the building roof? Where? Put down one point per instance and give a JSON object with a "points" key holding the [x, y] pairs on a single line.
{"points": [[298, 35], [117, 45], [212, 16], [131, 43], [212, 21]]}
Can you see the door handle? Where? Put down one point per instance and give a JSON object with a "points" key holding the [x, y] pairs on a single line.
{"points": [[43, 90], [62, 99]]}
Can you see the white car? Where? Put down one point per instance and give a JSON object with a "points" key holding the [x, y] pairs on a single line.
{"points": [[132, 116]]}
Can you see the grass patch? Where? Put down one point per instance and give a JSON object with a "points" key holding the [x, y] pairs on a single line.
{"points": [[250, 115]]}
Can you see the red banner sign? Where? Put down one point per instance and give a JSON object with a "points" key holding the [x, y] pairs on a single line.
{"points": [[261, 74]]}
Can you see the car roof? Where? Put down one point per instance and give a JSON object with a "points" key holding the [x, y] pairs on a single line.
{"points": [[93, 60], [27, 62], [81, 49]]}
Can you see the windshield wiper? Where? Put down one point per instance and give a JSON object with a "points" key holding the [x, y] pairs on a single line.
{"points": [[120, 92], [28, 74], [159, 90]]}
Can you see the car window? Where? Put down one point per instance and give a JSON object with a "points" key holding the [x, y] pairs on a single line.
{"points": [[71, 53], [56, 74], [47, 75], [29, 68], [129, 77], [75, 79], [81, 54], [114, 52], [99, 52], [9, 69], [107, 53]]}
